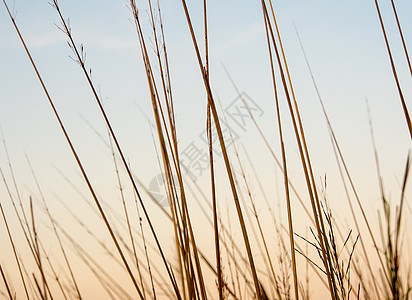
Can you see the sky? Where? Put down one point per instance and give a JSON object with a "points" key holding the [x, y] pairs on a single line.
{"points": [[344, 45]]}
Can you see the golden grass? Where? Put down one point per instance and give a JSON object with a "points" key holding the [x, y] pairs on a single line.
{"points": [[237, 271]]}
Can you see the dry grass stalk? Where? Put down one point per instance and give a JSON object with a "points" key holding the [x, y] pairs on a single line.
{"points": [[394, 72], [6, 283], [225, 155]]}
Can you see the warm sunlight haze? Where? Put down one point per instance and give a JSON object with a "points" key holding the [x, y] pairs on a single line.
{"points": [[165, 149]]}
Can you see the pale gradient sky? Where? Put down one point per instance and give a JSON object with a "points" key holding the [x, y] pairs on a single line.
{"points": [[343, 42]]}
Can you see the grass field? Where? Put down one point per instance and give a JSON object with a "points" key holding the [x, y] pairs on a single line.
{"points": [[205, 150]]}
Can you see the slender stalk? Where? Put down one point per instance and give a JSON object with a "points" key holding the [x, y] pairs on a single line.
{"points": [[306, 163], [169, 216], [265, 140], [181, 246], [394, 72], [80, 58], [126, 214], [212, 167], [285, 171], [338, 154], [225, 155], [149, 269], [6, 284], [46, 289], [69, 140], [66, 259], [56, 277], [262, 236], [24, 224], [94, 265], [14, 251], [43, 297], [401, 35]]}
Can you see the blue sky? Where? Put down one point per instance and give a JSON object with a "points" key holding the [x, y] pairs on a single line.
{"points": [[342, 39]]}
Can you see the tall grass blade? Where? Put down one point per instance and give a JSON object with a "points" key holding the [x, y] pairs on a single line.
{"points": [[394, 72], [401, 35], [9, 292]]}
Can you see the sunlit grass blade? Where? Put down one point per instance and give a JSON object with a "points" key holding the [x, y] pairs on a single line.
{"points": [[394, 72], [401, 35], [212, 167], [6, 283]]}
